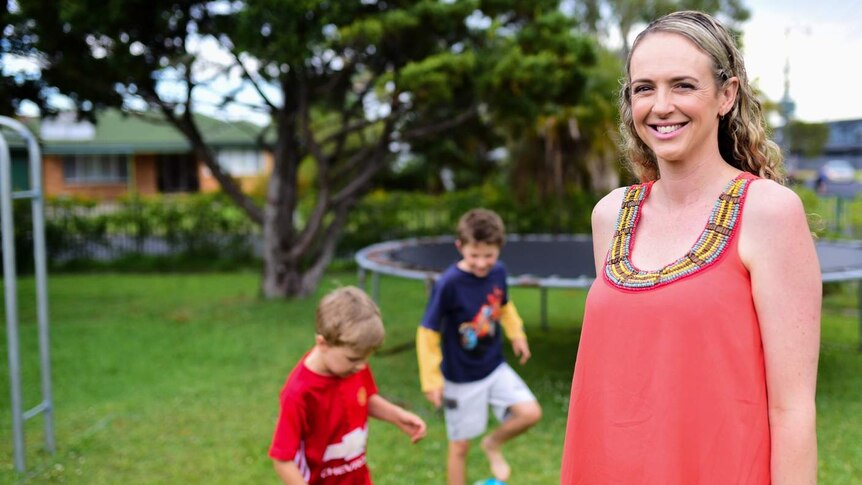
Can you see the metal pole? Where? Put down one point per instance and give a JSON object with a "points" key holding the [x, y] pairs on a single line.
{"points": [[360, 278], [35, 193], [375, 287], [859, 304], [11, 292], [839, 213], [544, 304], [40, 264]]}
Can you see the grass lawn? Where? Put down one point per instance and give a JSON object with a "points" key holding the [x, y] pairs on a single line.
{"points": [[174, 379]]}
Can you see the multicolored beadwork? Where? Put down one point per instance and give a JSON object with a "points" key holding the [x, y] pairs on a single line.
{"points": [[715, 237]]}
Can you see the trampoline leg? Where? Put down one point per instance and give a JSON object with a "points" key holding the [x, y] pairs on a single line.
{"points": [[859, 304], [543, 295], [375, 287], [360, 278]]}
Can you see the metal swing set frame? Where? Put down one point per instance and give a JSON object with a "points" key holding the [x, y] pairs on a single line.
{"points": [[10, 286]]}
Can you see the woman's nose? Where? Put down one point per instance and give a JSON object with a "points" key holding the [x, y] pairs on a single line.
{"points": [[663, 102]]}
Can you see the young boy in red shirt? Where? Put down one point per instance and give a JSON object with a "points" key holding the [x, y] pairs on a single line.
{"points": [[322, 429]]}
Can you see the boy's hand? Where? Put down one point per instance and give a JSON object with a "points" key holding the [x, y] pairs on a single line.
{"points": [[411, 424], [521, 349], [435, 396]]}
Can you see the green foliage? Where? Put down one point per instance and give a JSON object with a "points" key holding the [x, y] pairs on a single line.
{"points": [[432, 77], [208, 232], [397, 215], [832, 217], [807, 139], [201, 231]]}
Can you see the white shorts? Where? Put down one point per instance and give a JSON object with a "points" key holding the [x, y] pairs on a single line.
{"points": [[466, 404]]}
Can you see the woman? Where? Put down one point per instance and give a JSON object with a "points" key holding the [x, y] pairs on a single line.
{"points": [[698, 356]]}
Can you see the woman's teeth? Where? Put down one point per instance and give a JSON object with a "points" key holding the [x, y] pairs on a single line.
{"points": [[668, 128]]}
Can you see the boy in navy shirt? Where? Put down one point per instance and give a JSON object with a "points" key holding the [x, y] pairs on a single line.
{"points": [[459, 347]]}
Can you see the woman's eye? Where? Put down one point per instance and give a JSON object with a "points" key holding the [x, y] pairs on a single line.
{"points": [[640, 89], [685, 86]]}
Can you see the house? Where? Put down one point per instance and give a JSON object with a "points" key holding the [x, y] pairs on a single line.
{"points": [[126, 154], [844, 143]]}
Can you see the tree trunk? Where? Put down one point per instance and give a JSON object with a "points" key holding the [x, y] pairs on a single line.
{"points": [[280, 277], [290, 274]]}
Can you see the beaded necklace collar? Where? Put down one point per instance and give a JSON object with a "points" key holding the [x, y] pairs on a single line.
{"points": [[719, 230]]}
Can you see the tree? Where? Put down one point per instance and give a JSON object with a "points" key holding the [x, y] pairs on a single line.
{"points": [[575, 147], [21, 85], [623, 16], [346, 84], [806, 139]]}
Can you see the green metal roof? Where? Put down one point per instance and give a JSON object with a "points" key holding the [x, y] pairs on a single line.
{"points": [[120, 133]]}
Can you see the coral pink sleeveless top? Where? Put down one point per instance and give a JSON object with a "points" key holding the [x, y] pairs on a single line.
{"points": [[669, 384]]}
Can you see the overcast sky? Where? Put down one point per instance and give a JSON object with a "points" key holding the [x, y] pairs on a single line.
{"points": [[824, 45]]}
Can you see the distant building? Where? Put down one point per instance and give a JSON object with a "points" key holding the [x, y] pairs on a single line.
{"points": [[845, 142], [124, 154]]}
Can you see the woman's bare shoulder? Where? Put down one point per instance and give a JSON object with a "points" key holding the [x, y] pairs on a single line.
{"points": [[773, 217], [607, 209], [772, 204]]}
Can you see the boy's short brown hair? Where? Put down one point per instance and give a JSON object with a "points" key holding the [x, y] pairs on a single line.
{"points": [[481, 226], [348, 317]]}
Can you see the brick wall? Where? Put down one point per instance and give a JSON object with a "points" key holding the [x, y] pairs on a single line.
{"points": [[146, 179]]}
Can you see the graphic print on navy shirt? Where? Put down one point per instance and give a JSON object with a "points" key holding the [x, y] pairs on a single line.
{"points": [[483, 324], [465, 309]]}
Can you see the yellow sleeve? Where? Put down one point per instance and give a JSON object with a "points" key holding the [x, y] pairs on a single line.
{"points": [[430, 356], [510, 320]]}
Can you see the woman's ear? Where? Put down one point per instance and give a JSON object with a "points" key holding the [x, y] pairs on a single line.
{"points": [[728, 93]]}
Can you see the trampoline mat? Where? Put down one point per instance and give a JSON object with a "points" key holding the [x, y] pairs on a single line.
{"points": [[540, 258], [837, 257]]}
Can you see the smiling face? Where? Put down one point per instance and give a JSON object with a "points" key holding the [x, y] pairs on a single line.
{"points": [[477, 258], [675, 101]]}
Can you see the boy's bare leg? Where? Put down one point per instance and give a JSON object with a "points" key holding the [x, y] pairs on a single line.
{"points": [[456, 466], [522, 417]]}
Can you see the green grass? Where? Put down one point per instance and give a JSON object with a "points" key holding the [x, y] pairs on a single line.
{"points": [[174, 379]]}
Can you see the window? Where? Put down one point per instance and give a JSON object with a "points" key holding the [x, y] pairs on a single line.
{"points": [[96, 169], [240, 162]]}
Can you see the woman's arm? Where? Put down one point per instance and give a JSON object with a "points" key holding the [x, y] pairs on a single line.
{"points": [[777, 247]]}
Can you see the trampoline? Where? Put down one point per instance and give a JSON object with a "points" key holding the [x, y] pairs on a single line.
{"points": [[551, 261]]}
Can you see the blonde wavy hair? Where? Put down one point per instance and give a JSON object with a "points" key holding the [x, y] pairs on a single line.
{"points": [[742, 139]]}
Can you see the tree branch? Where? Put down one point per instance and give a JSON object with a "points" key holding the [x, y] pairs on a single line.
{"points": [[368, 170], [253, 81], [327, 250], [434, 129], [187, 126], [346, 112], [321, 207]]}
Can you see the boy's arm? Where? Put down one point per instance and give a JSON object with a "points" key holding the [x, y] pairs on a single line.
{"points": [[430, 356], [411, 424], [513, 327], [288, 472]]}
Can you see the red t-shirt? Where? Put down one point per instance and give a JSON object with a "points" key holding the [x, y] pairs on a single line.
{"points": [[323, 426]]}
